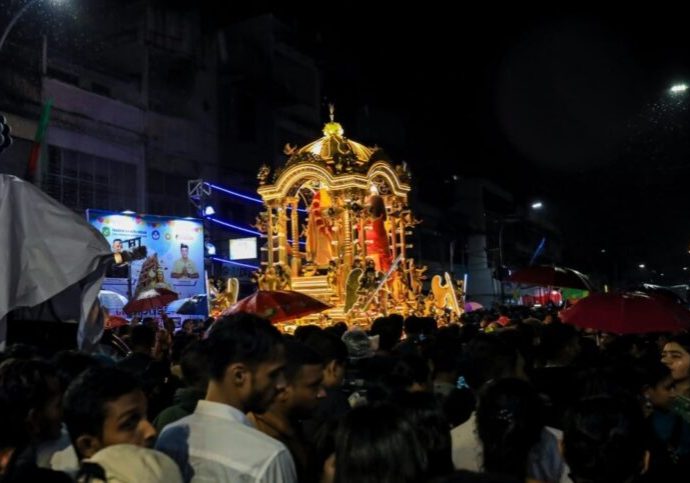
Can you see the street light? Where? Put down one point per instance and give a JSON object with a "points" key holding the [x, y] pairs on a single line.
{"points": [[21, 12], [678, 88], [502, 221]]}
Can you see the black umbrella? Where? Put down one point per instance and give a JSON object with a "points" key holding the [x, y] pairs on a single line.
{"points": [[190, 306]]}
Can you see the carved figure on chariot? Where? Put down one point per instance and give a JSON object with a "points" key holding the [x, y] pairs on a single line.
{"points": [[226, 298], [376, 234], [319, 231]]}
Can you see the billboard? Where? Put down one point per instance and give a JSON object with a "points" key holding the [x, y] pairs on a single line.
{"points": [[175, 252], [243, 248]]}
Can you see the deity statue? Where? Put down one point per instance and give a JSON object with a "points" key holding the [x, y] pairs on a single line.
{"points": [[370, 278], [399, 284], [416, 275], [319, 230], [159, 281], [332, 275], [267, 279], [262, 176], [376, 236], [261, 222], [283, 279], [227, 297], [148, 274]]}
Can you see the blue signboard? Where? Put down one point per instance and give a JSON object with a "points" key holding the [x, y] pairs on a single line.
{"points": [[175, 252]]}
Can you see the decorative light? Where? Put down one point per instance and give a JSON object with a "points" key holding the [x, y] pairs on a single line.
{"points": [[678, 88], [210, 249], [234, 227], [238, 264]]}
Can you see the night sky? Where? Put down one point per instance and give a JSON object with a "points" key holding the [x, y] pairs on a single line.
{"points": [[572, 109]]}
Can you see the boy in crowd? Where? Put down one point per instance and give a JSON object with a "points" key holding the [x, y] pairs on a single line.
{"points": [[105, 406]]}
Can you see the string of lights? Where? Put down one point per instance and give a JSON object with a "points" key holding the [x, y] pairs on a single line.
{"points": [[239, 228], [230, 262], [233, 227], [240, 195]]}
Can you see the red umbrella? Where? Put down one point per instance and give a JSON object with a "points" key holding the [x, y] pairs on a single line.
{"points": [[278, 305], [152, 299], [627, 313], [114, 322], [549, 276]]}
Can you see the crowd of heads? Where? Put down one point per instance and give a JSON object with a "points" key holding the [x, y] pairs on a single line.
{"points": [[543, 400]]}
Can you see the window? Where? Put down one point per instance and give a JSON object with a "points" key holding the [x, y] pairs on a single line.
{"points": [[80, 181], [167, 194]]}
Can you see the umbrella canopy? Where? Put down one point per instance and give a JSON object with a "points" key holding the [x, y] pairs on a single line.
{"points": [[188, 306], [152, 299], [114, 322], [472, 306], [112, 301], [664, 292], [549, 276], [278, 305], [627, 313]]}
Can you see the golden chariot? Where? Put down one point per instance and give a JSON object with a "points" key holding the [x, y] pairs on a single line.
{"points": [[338, 227]]}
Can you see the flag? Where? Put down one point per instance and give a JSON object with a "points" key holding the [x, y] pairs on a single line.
{"points": [[33, 167]]}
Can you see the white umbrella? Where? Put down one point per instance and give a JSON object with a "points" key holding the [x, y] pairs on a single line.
{"points": [[112, 301], [48, 254]]}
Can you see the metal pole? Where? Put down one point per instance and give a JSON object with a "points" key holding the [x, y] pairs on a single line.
{"points": [[500, 260], [14, 21], [452, 256], [500, 243]]}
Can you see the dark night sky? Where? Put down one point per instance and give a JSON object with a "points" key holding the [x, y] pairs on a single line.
{"points": [[572, 109], [569, 108]]}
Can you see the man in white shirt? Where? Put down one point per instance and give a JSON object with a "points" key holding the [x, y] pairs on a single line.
{"points": [[217, 442]]}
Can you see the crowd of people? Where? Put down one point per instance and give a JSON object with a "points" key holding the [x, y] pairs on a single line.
{"points": [[500, 397]]}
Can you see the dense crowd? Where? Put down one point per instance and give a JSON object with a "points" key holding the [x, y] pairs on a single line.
{"points": [[500, 397]]}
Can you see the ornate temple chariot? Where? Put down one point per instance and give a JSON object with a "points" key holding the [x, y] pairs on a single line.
{"points": [[337, 226]]}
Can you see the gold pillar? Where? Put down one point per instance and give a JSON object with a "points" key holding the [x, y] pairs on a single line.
{"points": [[294, 224], [269, 236], [402, 238], [362, 237], [282, 236], [393, 223], [347, 241]]}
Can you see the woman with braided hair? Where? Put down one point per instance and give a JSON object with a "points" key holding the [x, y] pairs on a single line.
{"points": [[515, 441]]}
